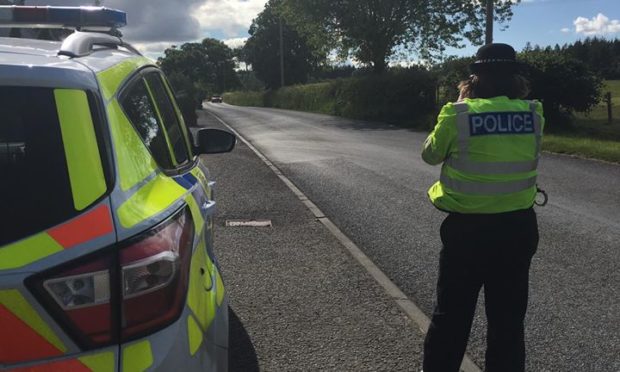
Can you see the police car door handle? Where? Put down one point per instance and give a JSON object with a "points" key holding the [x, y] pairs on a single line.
{"points": [[207, 205]]}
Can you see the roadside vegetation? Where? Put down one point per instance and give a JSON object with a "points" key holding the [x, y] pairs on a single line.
{"points": [[596, 120], [591, 133], [404, 97]]}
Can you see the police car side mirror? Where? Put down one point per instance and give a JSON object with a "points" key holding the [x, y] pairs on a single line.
{"points": [[214, 141]]}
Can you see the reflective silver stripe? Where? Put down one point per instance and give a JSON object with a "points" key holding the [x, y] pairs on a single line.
{"points": [[460, 107], [486, 188], [462, 126], [492, 168], [537, 129]]}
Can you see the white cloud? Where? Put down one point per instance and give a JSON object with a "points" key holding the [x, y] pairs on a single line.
{"points": [[154, 25], [565, 30], [482, 2], [599, 25], [235, 42], [149, 20], [151, 47], [228, 16], [177, 20]]}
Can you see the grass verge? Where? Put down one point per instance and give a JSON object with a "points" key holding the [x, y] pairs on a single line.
{"points": [[575, 144]]}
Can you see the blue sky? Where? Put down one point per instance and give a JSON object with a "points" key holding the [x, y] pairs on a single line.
{"points": [[547, 22]]}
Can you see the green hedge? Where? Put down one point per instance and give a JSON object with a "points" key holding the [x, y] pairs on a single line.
{"points": [[403, 97], [320, 97], [245, 98]]}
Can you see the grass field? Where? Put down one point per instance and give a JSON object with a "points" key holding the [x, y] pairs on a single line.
{"points": [[592, 136], [596, 121], [574, 144]]}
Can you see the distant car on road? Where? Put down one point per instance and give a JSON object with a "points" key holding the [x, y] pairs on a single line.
{"points": [[106, 241], [216, 99]]}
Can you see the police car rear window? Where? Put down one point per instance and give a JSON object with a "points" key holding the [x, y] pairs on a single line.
{"points": [[169, 117], [35, 191], [141, 112]]}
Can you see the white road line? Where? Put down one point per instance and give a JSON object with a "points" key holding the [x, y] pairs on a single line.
{"points": [[406, 305]]}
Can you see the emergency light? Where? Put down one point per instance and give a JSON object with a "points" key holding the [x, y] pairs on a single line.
{"points": [[61, 17]]}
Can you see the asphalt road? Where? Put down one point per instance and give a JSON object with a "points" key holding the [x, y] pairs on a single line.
{"points": [[369, 179], [298, 301]]}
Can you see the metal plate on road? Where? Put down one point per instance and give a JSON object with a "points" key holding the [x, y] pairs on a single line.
{"points": [[248, 223]]}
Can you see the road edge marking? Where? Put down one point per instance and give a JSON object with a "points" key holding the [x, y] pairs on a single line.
{"points": [[406, 305]]}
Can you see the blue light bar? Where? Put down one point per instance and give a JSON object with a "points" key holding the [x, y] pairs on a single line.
{"points": [[63, 17]]}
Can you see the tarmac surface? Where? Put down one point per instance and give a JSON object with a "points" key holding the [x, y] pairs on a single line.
{"points": [[368, 178], [298, 301]]}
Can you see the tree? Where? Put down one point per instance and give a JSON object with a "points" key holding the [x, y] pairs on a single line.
{"points": [[563, 84], [187, 96], [449, 74], [209, 64], [220, 56], [196, 70], [601, 55], [262, 50], [371, 30]]}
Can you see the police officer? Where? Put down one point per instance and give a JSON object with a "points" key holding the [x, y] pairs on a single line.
{"points": [[489, 144]]}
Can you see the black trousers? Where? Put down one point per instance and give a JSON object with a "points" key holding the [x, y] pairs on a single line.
{"points": [[491, 251]]}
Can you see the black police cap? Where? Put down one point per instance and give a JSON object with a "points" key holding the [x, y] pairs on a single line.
{"points": [[497, 57]]}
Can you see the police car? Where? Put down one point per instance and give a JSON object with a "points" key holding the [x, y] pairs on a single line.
{"points": [[106, 232]]}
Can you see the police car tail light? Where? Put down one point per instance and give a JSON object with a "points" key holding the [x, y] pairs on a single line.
{"points": [[121, 292], [83, 293], [154, 276]]}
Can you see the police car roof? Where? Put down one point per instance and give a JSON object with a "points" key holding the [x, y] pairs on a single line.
{"points": [[29, 46], [31, 62]]}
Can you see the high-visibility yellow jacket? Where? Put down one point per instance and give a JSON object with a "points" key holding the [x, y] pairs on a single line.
{"points": [[490, 150]]}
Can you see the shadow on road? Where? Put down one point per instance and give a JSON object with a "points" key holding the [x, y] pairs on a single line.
{"points": [[241, 355], [351, 124], [332, 120]]}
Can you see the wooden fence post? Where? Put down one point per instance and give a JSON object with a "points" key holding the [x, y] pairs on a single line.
{"points": [[609, 111]]}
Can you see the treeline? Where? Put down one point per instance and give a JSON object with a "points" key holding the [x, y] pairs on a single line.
{"points": [[600, 55], [412, 96], [305, 35]]}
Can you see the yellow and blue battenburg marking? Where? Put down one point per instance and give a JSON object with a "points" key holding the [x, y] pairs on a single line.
{"points": [[187, 180], [501, 123]]}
